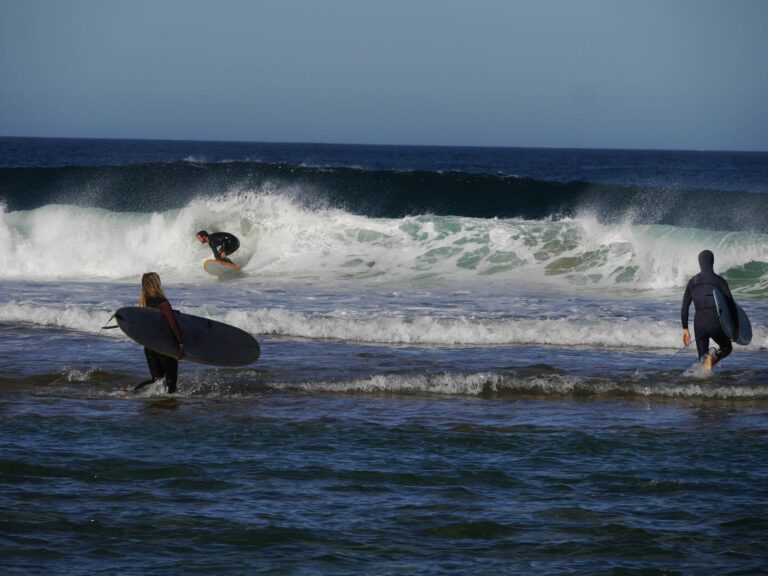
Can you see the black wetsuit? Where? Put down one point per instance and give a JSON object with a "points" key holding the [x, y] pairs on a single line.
{"points": [[223, 242], [706, 324], [160, 365]]}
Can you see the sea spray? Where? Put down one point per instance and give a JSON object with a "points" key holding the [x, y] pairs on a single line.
{"points": [[282, 238]]}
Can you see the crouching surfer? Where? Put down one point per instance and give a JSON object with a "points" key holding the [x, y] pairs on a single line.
{"points": [[223, 244], [160, 365], [706, 323]]}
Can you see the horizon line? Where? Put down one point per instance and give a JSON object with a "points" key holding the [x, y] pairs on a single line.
{"points": [[320, 143]]}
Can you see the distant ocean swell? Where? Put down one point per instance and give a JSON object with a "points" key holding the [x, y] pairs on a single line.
{"points": [[379, 193], [282, 239]]}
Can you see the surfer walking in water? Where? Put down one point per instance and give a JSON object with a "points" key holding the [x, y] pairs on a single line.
{"points": [[706, 323], [223, 244], [160, 365]]}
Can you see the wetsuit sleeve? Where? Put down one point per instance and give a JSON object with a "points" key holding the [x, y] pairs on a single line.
{"points": [[167, 311], [687, 298], [216, 242]]}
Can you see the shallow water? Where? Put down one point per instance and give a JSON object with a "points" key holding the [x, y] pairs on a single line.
{"points": [[325, 483], [360, 454]]}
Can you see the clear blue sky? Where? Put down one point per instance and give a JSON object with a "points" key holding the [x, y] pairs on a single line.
{"points": [[689, 74]]}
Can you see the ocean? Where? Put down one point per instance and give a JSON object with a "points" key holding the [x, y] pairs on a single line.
{"points": [[471, 361]]}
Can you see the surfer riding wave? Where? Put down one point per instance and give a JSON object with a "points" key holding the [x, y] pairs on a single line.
{"points": [[223, 244]]}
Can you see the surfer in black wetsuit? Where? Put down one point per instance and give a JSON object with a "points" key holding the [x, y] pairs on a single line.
{"points": [[160, 365], [706, 323], [222, 243]]}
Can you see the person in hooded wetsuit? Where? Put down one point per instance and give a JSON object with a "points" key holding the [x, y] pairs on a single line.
{"points": [[706, 323], [160, 365], [221, 243]]}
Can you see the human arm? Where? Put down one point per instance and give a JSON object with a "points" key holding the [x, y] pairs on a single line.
{"points": [[687, 298], [167, 311]]}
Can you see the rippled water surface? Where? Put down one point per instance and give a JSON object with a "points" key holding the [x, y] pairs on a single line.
{"points": [[348, 484]]}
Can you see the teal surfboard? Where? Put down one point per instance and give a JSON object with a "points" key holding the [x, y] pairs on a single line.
{"points": [[741, 333]]}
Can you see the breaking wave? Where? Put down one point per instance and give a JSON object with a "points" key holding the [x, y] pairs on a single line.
{"points": [[379, 193], [282, 238], [394, 328]]}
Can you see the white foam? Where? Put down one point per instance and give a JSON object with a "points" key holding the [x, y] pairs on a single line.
{"points": [[69, 316], [509, 383], [75, 375], [284, 239], [392, 328]]}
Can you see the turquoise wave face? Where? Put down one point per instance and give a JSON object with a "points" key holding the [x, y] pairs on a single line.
{"points": [[283, 239]]}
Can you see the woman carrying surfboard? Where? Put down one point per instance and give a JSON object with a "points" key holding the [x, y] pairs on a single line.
{"points": [[706, 323], [160, 365]]}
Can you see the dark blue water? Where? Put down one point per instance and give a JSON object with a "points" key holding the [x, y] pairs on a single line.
{"points": [[735, 171], [712, 190], [318, 484], [470, 362]]}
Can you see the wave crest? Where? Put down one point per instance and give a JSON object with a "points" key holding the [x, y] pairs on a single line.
{"points": [[381, 193], [393, 328], [283, 239]]}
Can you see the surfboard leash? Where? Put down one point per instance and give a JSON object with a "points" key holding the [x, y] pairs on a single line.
{"points": [[106, 327], [698, 337]]}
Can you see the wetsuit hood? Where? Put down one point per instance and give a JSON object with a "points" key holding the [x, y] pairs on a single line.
{"points": [[706, 261]]}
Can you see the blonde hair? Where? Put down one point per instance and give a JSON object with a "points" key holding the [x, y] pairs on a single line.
{"points": [[150, 287]]}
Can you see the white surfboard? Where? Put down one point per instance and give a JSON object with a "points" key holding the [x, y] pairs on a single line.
{"points": [[222, 269]]}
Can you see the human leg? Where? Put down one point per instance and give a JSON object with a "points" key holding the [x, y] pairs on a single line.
{"points": [[704, 325], [170, 370], [154, 363], [725, 345]]}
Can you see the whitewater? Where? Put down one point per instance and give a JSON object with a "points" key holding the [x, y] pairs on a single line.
{"points": [[283, 239]]}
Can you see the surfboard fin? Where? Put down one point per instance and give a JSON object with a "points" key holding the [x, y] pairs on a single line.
{"points": [[106, 327]]}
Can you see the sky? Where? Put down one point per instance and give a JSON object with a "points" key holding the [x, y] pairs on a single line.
{"points": [[659, 74]]}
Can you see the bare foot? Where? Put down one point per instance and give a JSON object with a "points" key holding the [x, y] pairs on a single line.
{"points": [[707, 363]]}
